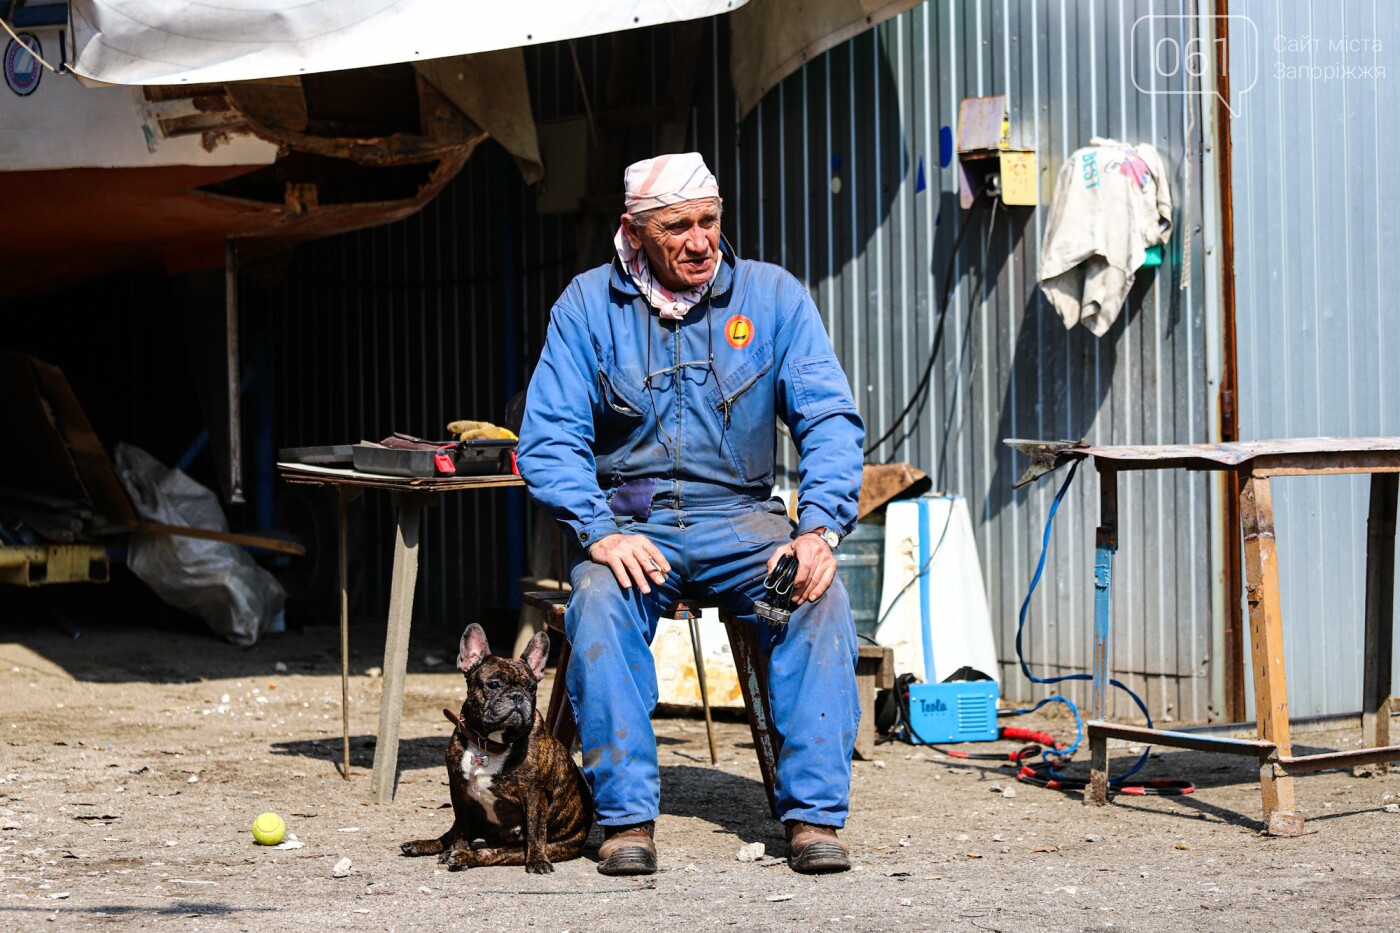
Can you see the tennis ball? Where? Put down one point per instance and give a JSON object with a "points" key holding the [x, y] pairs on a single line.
{"points": [[268, 829]]}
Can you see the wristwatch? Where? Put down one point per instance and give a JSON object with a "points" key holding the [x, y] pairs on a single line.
{"points": [[826, 534]]}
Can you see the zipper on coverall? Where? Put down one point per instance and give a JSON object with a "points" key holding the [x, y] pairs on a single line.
{"points": [[680, 424]]}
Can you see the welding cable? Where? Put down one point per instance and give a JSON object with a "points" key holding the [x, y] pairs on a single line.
{"points": [[922, 388], [938, 546], [1028, 735], [1051, 755], [1016, 757]]}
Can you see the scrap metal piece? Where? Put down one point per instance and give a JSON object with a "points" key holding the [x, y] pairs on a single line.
{"points": [[1046, 456], [882, 483]]}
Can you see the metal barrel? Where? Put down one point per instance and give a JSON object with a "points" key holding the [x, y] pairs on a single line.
{"points": [[860, 560]]}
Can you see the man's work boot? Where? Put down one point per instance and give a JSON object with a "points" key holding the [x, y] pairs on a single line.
{"points": [[628, 850], [815, 850]]}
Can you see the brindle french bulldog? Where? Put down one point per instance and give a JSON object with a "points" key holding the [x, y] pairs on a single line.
{"points": [[514, 786]]}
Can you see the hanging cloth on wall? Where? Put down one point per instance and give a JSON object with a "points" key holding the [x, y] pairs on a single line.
{"points": [[1112, 202]]}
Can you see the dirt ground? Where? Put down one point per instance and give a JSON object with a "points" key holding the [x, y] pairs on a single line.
{"points": [[134, 760]]}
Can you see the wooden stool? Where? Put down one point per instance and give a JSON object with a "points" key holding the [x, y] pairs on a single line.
{"points": [[874, 671]]}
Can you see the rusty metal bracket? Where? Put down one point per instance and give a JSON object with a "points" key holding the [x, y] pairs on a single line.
{"points": [[1046, 456]]}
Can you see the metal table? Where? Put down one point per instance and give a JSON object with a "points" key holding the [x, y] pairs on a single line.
{"points": [[409, 497], [1255, 463]]}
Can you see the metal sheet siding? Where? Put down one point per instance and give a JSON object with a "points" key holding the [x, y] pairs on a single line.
{"points": [[1314, 292], [837, 176], [869, 113]]}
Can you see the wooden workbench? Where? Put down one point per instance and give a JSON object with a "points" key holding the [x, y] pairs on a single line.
{"points": [[409, 497], [1256, 463]]}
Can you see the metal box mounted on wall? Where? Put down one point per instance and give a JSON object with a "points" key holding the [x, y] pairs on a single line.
{"points": [[984, 134]]}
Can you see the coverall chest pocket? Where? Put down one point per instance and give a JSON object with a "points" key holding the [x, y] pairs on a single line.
{"points": [[617, 421], [616, 400], [820, 387], [743, 404]]}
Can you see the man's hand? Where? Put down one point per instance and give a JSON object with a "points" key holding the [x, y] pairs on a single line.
{"points": [[633, 558], [816, 567]]}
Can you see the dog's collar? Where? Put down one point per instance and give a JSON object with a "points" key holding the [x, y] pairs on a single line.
{"points": [[474, 737]]}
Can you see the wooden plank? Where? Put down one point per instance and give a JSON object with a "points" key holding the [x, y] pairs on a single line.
{"points": [[1324, 464], [883, 658], [865, 690], [1266, 636], [90, 458], [1201, 743], [752, 667], [874, 672], [267, 543], [159, 92], [47, 468], [1380, 611], [401, 586], [1096, 794], [1301, 764], [551, 603], [559, 717]]}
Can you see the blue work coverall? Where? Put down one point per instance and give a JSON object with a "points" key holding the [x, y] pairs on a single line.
{"points": [[640, 425]]}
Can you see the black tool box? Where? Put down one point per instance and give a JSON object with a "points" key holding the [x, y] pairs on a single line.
{"points": [[467, 458]]}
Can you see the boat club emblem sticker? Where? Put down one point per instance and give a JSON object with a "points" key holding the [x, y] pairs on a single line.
{"points": [[738, 330], [22, 68]]}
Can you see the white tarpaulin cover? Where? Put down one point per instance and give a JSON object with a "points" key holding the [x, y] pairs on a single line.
{"points": [[167, 42]]}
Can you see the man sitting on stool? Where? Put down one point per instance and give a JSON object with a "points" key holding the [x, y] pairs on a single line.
{"points": [[649, 432]]}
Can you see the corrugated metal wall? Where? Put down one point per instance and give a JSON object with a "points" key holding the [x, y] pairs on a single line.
{"points": [[842, 176], [1315, 287], [870, 114]]}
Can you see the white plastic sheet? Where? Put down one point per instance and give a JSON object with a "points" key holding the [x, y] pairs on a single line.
{"points": [[214, 580], [165, 42]]}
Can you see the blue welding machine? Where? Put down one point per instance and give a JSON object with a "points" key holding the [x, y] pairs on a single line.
{"points": [[960, 711]]}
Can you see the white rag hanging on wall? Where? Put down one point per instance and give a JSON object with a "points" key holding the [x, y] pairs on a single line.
{"points": [[1112, 202]]}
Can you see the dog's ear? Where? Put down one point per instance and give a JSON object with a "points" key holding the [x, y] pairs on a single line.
{"points": [[536, 654], [472, 649]]}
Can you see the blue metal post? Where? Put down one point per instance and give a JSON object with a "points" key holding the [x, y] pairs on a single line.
{"points": [[1106, 542]]}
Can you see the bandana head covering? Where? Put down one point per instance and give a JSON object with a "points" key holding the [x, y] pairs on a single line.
{"points": [[660, 182]]}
